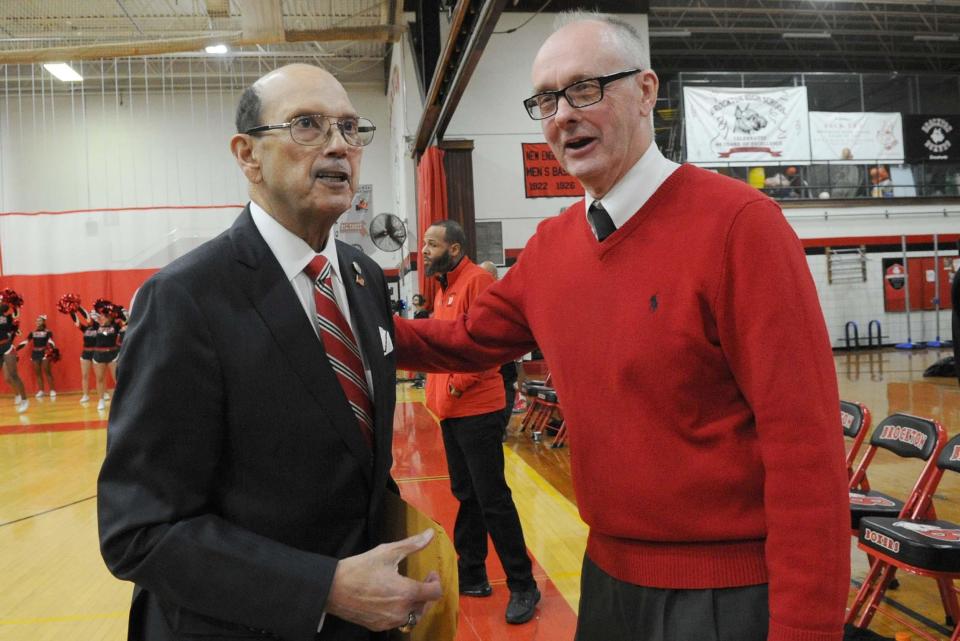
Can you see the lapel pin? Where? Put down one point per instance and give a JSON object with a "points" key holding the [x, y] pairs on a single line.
{"points": [[359, 275]]}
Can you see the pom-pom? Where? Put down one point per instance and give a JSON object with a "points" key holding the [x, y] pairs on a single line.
{"points": [[51, 353], [68, 304], [11, 297]]}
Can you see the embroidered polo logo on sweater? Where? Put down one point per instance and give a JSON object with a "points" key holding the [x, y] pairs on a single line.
{"points": [[653, 303]]}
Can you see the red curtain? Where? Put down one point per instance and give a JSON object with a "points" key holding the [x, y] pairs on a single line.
{"points": [[431, 207]]}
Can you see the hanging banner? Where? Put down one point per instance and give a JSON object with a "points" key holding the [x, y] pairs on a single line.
{"points": [[543, 177], [761, 126], [931, 137], [856, 137], [354, 224]]}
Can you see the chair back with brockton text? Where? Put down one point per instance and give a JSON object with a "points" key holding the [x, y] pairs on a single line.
{"points": [[855, 421], [906, 436], [916, 542]]}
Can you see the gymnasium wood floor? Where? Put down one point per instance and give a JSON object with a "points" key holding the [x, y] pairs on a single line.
{"points": [[54, 585]]}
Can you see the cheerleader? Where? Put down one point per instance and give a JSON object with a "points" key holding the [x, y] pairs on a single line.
{"points": [[10, 303], [41, 354], [108, 347], [70, 304]]}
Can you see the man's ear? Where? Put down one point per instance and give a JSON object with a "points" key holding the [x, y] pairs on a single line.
{"points": [[649, 87], [243, 149], [458, 252]]}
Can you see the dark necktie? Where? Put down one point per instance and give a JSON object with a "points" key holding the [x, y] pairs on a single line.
{"points": [[602, 223], [341, 346]]}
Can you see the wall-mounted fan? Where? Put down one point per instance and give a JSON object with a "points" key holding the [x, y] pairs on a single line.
{"points": [[388, 232]]}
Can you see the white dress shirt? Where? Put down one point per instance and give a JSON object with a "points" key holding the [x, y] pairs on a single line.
{"points": [[635, 188], [294, 254]]}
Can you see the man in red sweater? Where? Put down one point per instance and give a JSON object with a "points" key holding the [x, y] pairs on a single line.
{"points": [[470, 408], [695, 374]]}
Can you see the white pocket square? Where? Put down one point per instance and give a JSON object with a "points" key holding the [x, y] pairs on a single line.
{"points": [[386, 341]]}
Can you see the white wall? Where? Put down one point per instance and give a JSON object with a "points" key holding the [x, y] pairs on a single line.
{"points": [[863, 302], [405, 106], [146, 150]]}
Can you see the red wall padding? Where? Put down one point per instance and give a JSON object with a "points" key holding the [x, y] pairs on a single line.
{"points": [[40, 296]]}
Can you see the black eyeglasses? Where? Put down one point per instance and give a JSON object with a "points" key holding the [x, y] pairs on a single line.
{"points": [[316, 129], [582, 93]]}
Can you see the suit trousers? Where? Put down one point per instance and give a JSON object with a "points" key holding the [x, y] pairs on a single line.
{"points": [[612, 610], [474, 449]]}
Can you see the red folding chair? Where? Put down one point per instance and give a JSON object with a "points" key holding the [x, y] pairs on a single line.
{"points": [[529, 388], [918, 543], [908, 437], [866, 502], [542, 406], [855, 420]]}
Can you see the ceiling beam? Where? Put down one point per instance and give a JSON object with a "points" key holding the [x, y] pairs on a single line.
{"points": [[218, 8], [473, 23], [377, 33]]}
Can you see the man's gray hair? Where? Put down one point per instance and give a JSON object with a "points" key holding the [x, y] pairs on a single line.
{"points": [[627, 36]]}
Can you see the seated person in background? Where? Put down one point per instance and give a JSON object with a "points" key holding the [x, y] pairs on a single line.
{"points": [[783, 185], [882, 186], [419, 311]]}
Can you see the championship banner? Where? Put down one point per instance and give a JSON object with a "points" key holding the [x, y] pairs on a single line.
{"points": [[931, 137], [543, 176], [734, 126], [856, 137]]}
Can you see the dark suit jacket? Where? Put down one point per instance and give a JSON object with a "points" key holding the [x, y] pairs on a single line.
{"points": [[236, 474]]}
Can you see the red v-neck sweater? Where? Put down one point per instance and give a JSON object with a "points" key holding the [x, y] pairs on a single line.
{"points": [[694, 371]]}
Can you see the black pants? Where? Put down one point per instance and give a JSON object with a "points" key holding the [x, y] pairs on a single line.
{"points": [[475, 462], [611, 610], [509, 373]]}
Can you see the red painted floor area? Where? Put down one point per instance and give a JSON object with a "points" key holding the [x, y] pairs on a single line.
{"points": [[40, 428], [420, 468]]}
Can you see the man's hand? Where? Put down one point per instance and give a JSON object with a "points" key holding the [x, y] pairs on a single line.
{"points": [[369, 591]]}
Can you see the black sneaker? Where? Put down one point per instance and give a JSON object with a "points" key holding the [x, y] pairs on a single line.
{"points": [[479, 589], [522, 605]]}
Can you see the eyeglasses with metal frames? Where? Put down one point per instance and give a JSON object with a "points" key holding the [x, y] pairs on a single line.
{"points": [[579, 94], [316, 129]]}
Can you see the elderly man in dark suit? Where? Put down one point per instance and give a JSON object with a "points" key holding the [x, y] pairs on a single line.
{"points": [[249, 442]]}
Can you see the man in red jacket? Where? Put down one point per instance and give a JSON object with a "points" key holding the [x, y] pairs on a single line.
{"points": [[470, 407], [695, 372]]}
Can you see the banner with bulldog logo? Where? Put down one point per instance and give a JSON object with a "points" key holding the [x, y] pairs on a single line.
{"points": [[758, 126], [856, 137], [931, 137]]}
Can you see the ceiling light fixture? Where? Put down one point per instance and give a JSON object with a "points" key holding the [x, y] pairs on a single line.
{"points": [[63, 71], [218, 49], [817, 35], [666, 33], [937, 37]]}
